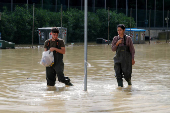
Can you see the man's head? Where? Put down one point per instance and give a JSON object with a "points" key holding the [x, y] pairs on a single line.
{"points": [[54, 32]]}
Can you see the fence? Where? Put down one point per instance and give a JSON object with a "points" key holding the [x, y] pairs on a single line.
{"points": [[157, 19], [20, 24]]}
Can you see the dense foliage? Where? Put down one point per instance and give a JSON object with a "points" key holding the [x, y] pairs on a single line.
{"points": [[16, 26]]}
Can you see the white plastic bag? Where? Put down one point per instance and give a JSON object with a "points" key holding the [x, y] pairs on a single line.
{"points": [[47, 59]]}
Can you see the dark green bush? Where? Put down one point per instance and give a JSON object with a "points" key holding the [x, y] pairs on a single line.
{"points": [[16, 26]]}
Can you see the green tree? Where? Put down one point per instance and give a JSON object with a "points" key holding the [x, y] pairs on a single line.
{"points": [[17, 25]]}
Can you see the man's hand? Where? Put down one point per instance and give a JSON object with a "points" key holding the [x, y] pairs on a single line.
{"points": [[119, 41], [133, 61], [52, 49]]}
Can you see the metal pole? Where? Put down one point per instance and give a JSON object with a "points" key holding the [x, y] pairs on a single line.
{"points": [[146, 9], [68, 4], [130, 20], [56, 6], [0, 16], [85, 45], [0, 26], [149, 24], [11, 5], [163, 13], [61, 21], [126, 7], [33, 26], [155, 15], [116, 6], [167, 26], [108, 24], [105, 4], [42, 4], [27, 4], [136, 13], [61, 15], [94, 6], [81, 4]]}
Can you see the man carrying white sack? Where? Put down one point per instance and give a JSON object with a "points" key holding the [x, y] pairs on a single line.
{"points": [[56, 46]]}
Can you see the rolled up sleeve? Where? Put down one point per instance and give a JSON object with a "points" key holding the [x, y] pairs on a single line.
{"points": [[45, 44], [131, 47], [114, 41]]}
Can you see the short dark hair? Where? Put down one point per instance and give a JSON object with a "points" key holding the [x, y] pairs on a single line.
{"points": [[54, 30], [121, 26]]}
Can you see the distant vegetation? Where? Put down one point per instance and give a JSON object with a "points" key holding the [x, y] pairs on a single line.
{"points": [[16, 26]]}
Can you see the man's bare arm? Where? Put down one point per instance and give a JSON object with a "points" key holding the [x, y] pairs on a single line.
{"points": [[61, 51]]}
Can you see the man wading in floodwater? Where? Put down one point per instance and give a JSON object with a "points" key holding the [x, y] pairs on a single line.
{"points": [[56, 46], [124, 58]]}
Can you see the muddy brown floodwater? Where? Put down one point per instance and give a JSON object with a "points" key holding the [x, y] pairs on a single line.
{"points": [[23, 85]]}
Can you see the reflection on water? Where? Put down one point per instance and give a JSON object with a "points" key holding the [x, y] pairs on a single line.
{"points": [[23, 85]]}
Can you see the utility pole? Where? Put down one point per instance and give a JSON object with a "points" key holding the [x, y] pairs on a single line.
{"points": [[155, 15], [11, 5], [146, 9], [163, 13], [56, 6], [93, 6], [81, 5], [105, 4], [42, 4], [149, 24], [146, 20], [61, 15], [68, 4], [130, 20], [116, 6], [167, 19], [136, 13], [33, 26], [61, 21], [27, 4], [108, 24], [126, 7], [0, 26]]}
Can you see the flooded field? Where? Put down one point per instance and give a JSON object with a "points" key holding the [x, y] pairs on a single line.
{"points": [[23, 84]]}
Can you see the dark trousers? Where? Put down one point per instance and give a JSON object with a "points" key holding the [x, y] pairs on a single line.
{"points": [[54, 70], [121, 72]]}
